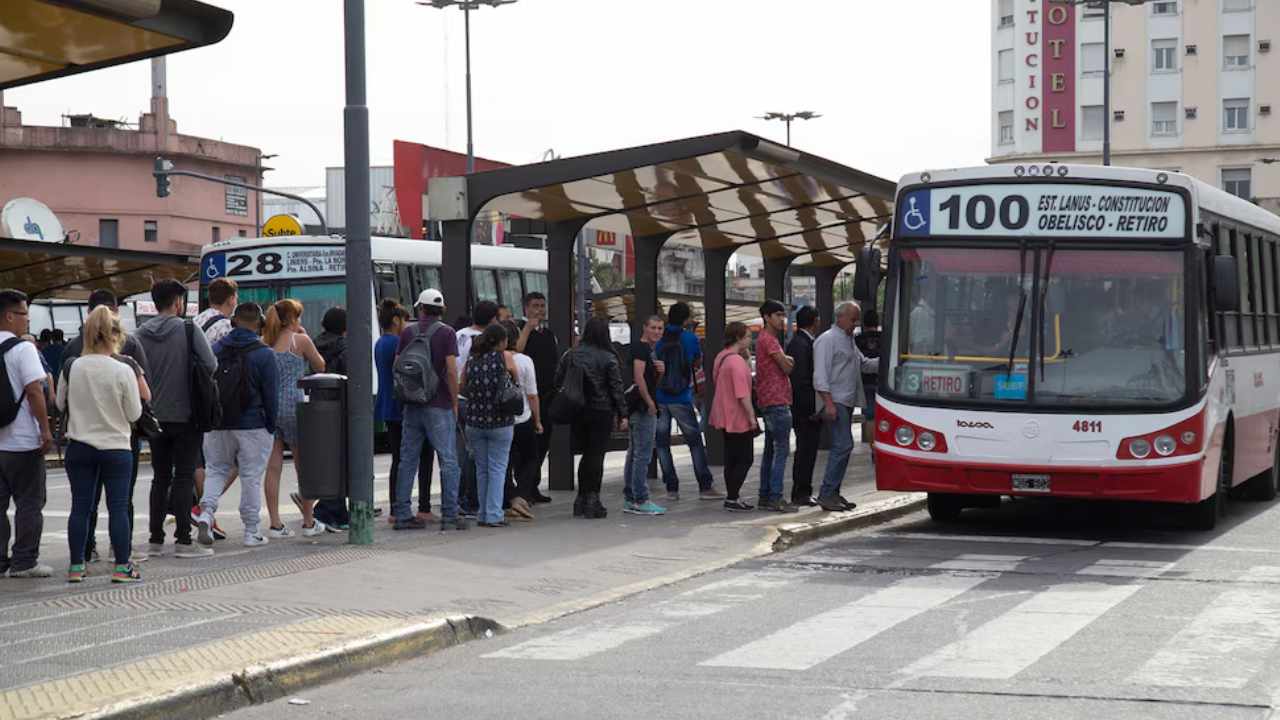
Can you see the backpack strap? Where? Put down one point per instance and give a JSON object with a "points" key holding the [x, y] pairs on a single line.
{"points": [[212, 321]]}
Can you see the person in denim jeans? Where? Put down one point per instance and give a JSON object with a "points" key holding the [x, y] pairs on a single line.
{"points": [[773, 394], [490, 429], [678, 406], [644, 373], [436, 420], [837, 377]]}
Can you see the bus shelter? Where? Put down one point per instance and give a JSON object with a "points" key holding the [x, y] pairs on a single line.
{"points": [[726, 193], [60, 271]]}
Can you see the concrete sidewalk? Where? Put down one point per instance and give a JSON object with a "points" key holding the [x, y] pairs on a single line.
{"points": [[202, 636]]}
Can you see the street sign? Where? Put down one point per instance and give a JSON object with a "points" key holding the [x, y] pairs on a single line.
{"points": [[278, 225]]}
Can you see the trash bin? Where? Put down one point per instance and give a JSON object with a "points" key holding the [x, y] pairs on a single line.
{"points": [[322, 437]]}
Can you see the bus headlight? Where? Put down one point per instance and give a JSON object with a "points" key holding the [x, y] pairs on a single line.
{"points": [[1189, 438], [904, 435], [884, 426], [1139, 448], [927, 441], [1165, 445]]}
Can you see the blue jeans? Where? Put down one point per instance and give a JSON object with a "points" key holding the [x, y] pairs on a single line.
{"points": [[687, 420], [777, 446], [491, 448], [420, 424], [86, 467], [841, 446], [639, 453]]}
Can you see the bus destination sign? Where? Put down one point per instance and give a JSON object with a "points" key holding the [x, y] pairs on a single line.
{"points": [[292, 261], [1041, 210]]}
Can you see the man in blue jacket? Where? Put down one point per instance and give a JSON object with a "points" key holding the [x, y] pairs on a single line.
{"points": [[247, 383]]}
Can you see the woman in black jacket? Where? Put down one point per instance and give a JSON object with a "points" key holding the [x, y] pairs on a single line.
{"points": [[605, 410]]}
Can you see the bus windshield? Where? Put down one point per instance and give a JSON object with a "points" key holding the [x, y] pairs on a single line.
{"points": [[1109, 326]]}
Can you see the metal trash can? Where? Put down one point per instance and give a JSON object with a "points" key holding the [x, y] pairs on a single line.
{"points": [[322, 437]]}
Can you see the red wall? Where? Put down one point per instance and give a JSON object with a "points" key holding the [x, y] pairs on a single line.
{"points": [[414, 165]]}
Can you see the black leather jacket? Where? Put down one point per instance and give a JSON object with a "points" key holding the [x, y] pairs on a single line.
{"points": [[602, 375]]}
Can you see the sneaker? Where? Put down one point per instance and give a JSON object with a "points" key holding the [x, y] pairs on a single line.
{"points": [[804, 502], [195, 513], [204, 528], [137, 556], [499, 524], [776, 506], [711, 494], [738, 506], [317, 528], [648, 507], [832, 503], [35, 571], [412, 523], [458, 523], [255, 541], [281, 532], [539, 499], [154, 550], [192, 550], [126, 573], [217, 532], [76, 573], [470, 514], [847, 505], [673, 496]]}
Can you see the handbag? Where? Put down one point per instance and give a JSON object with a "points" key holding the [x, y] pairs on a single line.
{"points": [[511, 399]]}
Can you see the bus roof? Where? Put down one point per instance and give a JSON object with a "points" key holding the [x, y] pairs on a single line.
{"points": [[1205, 195], [385, 249]]}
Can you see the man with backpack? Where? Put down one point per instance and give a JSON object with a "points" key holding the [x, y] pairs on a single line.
{"points": [[215, 322], [680, 353], [24, 437], [425, 374], [242, 441], [175, 348]]}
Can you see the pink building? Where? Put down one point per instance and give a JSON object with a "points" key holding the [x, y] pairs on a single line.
{"points": [[96, 177]]}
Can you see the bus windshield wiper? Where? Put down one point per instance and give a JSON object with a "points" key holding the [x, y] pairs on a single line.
{"points": [[1022, 305], [1044, 293]]}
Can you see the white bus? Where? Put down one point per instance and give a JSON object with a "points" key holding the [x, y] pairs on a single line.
{"points": [[1079, 332], [312, 270]]}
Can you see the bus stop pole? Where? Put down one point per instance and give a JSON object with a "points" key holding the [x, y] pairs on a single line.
{"points": [[359, 282]]}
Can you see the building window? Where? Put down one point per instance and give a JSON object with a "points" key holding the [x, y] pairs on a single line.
{"points": [[1092, 57], [1164, 118], [1092, 118], [1006, 127], [1164, 55], [237, 197], [109, 233], [1235, 52], [1237, 5], [1004, 65], [1235, 115], [242, 233], [1006, 13], [1238, 182], [216, 235], [1164, 7], [150, 231], [1095, 12]]}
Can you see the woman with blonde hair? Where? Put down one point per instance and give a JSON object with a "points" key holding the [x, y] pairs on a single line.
{"points": [[296, 356], [102, 397]]}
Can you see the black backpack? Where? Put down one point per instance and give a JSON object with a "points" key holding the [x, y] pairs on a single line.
{"points": [[206, 406], [676, 376], [233, 378], [415, 378], [9, 401]]}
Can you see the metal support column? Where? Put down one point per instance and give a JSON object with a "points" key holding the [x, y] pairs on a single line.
{"points": [[646, 297], [560, 259], [455, 254], [825, 297], [775, 278], [715, 263]]}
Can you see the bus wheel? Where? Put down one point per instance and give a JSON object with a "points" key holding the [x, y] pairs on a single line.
{"points": [[1205, 514], [944, 508], [1263, 487]]}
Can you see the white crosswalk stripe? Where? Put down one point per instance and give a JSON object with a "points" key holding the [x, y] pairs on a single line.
{"points": [[1013, 641], [1225, 645], [828, 634]]}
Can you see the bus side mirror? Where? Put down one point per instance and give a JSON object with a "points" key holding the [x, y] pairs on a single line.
{"points": [[1226, 284], [866, 277]]}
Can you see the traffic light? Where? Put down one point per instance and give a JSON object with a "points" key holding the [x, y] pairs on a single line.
{"points": [[162, 180]]}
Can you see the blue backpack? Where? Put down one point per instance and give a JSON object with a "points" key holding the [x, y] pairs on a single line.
{"points": [[677, 377]]}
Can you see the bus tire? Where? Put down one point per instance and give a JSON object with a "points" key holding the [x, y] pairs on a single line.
{"points": [[944, 508], [1262, 487], [1205, 514]]}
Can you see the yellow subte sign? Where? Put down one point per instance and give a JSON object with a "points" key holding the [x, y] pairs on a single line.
{"points": [[278, 225]]}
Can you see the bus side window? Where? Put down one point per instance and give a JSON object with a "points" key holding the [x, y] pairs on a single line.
{"points": [[431, 276], [404, 279]]}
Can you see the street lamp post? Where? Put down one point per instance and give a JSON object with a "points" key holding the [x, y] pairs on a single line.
{"points": [[467, 6], [788, 117]]}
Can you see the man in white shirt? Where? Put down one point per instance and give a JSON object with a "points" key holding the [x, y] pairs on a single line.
{"points": [[837, 377], [215, 321], [23, 443]]}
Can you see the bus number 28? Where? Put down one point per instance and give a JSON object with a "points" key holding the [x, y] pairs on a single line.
{"points": [[1087, 426]]}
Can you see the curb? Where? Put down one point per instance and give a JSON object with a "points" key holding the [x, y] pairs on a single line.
{"points": [[258, 684], [794, 534]]}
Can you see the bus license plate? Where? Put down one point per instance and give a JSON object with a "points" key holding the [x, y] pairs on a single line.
{"points": [[1031, 483]]}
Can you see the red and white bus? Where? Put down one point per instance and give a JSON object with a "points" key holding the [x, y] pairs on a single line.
{"points": [[1079, 332]]}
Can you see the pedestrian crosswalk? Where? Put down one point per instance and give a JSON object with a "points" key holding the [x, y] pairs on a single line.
{"points": [[978, 617]]}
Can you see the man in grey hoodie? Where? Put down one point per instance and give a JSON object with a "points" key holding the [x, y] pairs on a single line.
{"points": [[175, 452]]}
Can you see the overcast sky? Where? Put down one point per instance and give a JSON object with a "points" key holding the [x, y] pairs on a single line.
{"points": [[902, 84]]}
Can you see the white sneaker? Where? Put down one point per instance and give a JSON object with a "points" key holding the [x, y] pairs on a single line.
{"points": [[137, 556], [35, 571], [317, 528], [281, 532], [204, 530], [255, 541], [194, 550]]}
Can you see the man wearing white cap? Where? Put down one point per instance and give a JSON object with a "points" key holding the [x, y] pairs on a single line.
{"points": [[426, 381]]}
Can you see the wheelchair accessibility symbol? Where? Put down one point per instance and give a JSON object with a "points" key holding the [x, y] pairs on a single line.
{"points": [[215, 266], [913, 219]]}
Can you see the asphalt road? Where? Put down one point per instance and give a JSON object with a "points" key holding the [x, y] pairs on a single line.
{"points": [[1032, 610]]}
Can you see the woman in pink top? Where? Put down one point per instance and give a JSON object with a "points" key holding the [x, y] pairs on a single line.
{"points": [[732, 412]]}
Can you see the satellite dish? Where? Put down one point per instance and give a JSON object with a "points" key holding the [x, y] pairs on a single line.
{"points": [[28, 219]]}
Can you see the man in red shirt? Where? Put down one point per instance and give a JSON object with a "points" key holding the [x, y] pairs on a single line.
{"points": [[773, 394]]}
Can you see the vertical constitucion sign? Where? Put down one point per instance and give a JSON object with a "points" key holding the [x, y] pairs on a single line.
{"points": [[1058, 86]]}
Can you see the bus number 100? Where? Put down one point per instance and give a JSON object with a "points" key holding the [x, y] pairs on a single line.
{"points": [[1087, 426]]}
